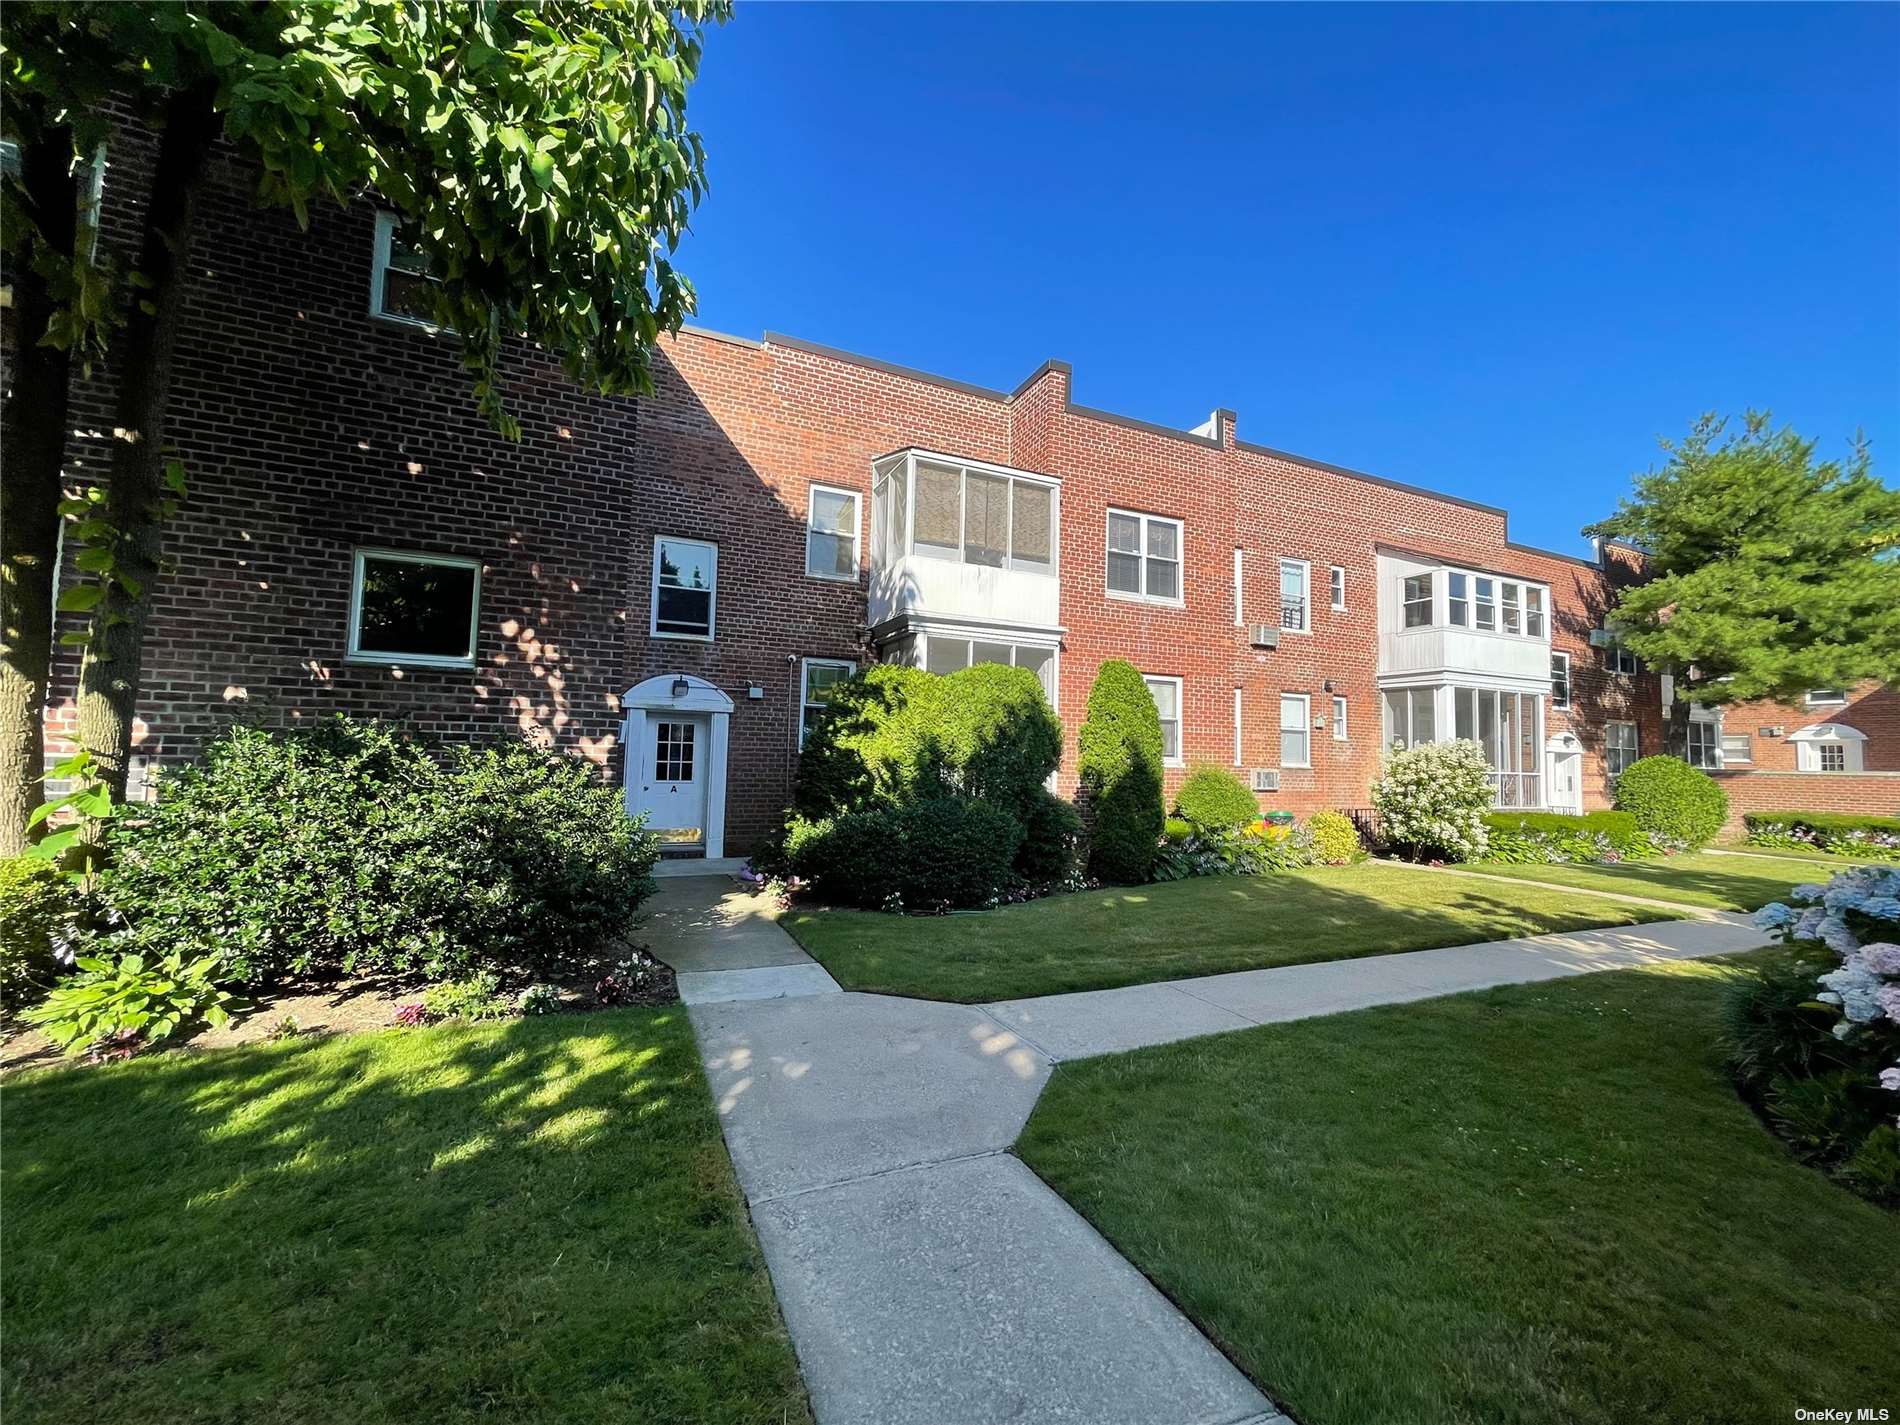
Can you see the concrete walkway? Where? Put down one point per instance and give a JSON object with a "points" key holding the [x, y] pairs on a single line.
{"points": [[724, 943], [926, 1276]]}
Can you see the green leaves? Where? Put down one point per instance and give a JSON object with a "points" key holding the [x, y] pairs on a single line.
{"points": [[127, 996]]}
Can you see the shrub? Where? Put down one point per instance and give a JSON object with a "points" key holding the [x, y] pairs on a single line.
{"points": [[630, 980], [948, 853], [868, 748], [132, 999], [1175, 829], [1676, 804], [347, 848], [1214, 796], [1233, 851], [1120, 771], [474, 999], [1051, 852], [36, 914], [538, 998], [1872, 838], [996, 737], [1828, 1099], [1553, 838], [1432, 800], [1335, 838]]}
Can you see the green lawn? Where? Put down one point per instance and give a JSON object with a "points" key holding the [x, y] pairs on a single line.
{"points": [[1818, 858], [1693, 878], [1533, 1204], [532, 1222], [1128, 935]]}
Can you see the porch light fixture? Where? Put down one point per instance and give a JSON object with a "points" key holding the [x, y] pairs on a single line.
{"points": [[681, 687]]}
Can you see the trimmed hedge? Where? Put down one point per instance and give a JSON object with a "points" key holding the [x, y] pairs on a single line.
{"points": [[1120, 770], [1051, 852], [348, 848], [1871, 837], [1678, 805], [944, 854], [1525, 838], [1214, 796], [1335, 839], [36, 907]]}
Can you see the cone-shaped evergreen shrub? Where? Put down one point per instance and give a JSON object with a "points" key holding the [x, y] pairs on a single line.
{"points": [[1121, 774]]}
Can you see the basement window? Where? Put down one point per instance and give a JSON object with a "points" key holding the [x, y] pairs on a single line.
{"points": [[414, 608]]}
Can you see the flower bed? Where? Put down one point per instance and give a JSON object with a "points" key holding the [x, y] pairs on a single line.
{"points": [[1874, 838], [1530, 838]]}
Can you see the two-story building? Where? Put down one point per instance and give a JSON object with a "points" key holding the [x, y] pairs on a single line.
{"points": [[669, 585]]}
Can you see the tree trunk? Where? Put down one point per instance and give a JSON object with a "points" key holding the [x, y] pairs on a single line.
{"points": [[31, 447], [109, 673], [1675, 724]]}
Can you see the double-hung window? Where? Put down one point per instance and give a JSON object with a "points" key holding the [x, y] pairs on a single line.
{"points": [[1295, 575], [831, 534], [1513, 609], [1704, 744], [1560, 680], [1336, 580], [1826, 697], [414, 608], [821, 679], [685, 587], [1418, 600], [1339, 719], [1144, 556], [1619, 659], [1619, 747], [400, 288], [1458, 599], [1487, 604], [1167, 695], [1533, 611], [1736, 747], [1296, 730]]}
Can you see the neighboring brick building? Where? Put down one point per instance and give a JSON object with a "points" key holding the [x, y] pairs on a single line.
{"points": [[356, 538]]}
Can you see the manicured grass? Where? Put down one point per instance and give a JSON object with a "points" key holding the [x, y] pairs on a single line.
{"points": [[1693, 878], [1128, 935], [1819, 858], [532, 1222], [1533, 1204]]}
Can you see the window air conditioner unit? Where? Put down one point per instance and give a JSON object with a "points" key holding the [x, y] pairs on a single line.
{"points": [[1601, 638], [1264, 635], [1266, 779]]}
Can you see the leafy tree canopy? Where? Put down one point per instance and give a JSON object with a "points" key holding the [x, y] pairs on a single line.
{"points": [[1774, 572], [539, 151]]}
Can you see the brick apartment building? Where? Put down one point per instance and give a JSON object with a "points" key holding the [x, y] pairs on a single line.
{"points": [[667, 585]]}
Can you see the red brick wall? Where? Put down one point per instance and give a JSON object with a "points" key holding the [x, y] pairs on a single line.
{"points": [[309, 428], [1857, 793], [1873, 709]]}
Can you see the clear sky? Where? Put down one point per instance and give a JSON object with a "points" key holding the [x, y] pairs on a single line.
{"points": [[1494, 250]]}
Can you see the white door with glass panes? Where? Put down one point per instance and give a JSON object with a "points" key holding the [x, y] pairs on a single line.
{"points": [[673, 776]]}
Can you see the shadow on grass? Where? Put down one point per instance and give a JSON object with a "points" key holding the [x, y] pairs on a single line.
{"points": [[532, 1221], [1132, 935], [1724, 883]]}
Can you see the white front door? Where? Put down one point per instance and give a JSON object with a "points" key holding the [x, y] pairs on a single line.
{"points": [[673, 776], [1566, 782]]}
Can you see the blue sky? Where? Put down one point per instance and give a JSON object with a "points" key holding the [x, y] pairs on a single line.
{"points": [[1495, 250]]}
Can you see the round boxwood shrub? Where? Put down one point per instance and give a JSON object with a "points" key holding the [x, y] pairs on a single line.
{"points": [[1335, 838], [946, 853], [1675, 803], [1120, 770], [1432, 800], [348, 848], [1214, 796]]}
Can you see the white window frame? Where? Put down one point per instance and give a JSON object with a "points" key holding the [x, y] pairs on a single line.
{"points": [[1240, 620], [1560, 704], [1305, 700], [1457, 599], [1180, 547], [1336, 585], [1747, 757], [1536, 597], [354, 650], [857, 531], [653, 591], [805, 704], [1709, 732], [386, 225], [1339, 718], [1635, 748], [1238, 698], [1511, 607], [1483, 603], [1406, 603], [1180, 718], [1305, 625], [1619, 660], [1825, 698]]}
